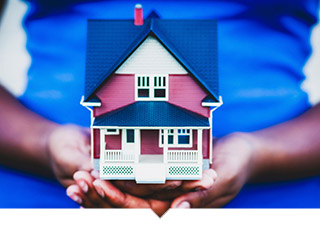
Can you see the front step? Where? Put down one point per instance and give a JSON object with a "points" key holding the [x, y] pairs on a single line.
{"points": [[153, 173]]}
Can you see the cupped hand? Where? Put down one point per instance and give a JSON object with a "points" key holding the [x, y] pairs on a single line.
{"points": [[90, 192], [232, 160], [69, 151]]}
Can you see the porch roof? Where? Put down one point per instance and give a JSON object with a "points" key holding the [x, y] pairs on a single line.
{"points": [[152, 114]]}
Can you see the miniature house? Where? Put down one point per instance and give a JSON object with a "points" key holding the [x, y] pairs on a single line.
{"points": [[151, 86]]}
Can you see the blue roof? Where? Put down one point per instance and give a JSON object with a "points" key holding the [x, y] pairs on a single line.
{"points": [[94, 99], [192, 42], [151, 114]]}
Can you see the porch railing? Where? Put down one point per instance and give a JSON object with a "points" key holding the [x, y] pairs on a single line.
{"points": [[118, 156], [182, 156]]}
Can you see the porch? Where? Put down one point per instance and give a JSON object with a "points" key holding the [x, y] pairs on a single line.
{"points": [[151, 142], [173, 160]]}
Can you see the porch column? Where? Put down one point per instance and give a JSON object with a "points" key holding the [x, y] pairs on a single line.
{"points": [[199, 148], [165, 146], [102, 144], [137, 147]]}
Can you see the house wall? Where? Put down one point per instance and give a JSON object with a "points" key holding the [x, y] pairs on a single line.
{"points": [[185, 92], [117, 92], [113, 142], [205, 143], [96, 143], [150, 142], [151, 57]]}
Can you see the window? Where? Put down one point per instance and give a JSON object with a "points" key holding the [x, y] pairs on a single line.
{"points": [[152, 87], [112, 132], [130, 135], [176, 137]]}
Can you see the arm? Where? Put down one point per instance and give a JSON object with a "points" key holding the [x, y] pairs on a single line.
{"points": [[23, 135], [33, 143], [288, 150], [285, 151]]}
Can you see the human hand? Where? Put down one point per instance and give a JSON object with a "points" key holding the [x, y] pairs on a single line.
{"points": [[91, 192], [69, 151], [232, 161]]}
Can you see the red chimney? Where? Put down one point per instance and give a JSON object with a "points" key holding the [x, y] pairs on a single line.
{"points": [[138, 15]]}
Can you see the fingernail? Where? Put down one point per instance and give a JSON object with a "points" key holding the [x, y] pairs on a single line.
{"points": [[184, 205], [95, 174], [77, 176], [98, 189], [212, 173], [84, 187], [76, 198]]}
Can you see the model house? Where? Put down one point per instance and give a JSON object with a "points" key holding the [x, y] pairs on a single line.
{"points": [[152, 86]]}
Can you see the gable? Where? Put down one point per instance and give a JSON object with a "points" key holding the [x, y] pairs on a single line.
{"points": [[151, 57], [192, 42]]}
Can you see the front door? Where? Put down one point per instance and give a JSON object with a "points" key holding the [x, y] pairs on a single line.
{"points": [[131, 140]]}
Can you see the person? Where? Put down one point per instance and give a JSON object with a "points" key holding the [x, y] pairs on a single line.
{"points": [[266, 129]]}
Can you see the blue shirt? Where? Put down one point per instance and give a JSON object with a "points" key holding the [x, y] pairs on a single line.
{"points": [[263, 46]]}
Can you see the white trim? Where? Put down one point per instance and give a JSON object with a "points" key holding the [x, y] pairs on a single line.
{"points": [[86, 104], [91, 129], [210, 137], [175, 135], [102, 144], [112, 133], [211, 127], [213, 104], [199, 145], [151, 86]]}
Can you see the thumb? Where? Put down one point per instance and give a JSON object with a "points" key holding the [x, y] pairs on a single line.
{"points": [[191, 200]]}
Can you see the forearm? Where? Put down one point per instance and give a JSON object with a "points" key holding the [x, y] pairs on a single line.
{"points": [[23, 135], [288, 150]]}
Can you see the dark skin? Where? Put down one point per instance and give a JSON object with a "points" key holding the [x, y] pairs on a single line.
{"points": [[286, 151]]}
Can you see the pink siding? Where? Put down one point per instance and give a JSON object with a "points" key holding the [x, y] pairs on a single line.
{"points": [[185, 92], [117, 92], [113, 142], [205, 143], [150, 142], [96, 144]]}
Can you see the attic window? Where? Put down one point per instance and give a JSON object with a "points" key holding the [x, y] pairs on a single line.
{"points": [[152, 87]]}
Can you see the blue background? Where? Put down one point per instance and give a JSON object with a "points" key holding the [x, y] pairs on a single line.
{"points": [[263, 46]]}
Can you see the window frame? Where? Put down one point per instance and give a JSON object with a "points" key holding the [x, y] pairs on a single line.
{"points": [[112, 132], [127, 134], [152, 86], [175, 133]]}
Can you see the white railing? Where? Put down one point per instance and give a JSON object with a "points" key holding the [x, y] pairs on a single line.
{"points": [[182, 156], [118, 156]]}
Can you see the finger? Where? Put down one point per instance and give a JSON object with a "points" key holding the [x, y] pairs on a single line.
{"points": [[85, 181], [75, 193], [117, 198], [209, 176], [146, 189], [191, 200], [167, 195]]}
